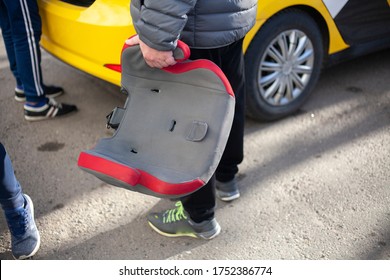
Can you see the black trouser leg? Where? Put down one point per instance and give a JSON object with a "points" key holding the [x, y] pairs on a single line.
{"points": [[201, 204]]}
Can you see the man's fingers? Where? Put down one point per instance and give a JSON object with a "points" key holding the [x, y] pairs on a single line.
{"points": [[154, 58], [164, 59], [170, 61], [158, 64], [132, 41]]}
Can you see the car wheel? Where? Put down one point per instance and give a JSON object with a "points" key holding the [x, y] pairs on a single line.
{"points": [[283, 63]]}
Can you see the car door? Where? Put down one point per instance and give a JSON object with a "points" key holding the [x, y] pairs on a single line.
{"points": [[361, 21]]}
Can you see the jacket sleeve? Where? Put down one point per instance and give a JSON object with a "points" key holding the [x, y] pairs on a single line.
{"points": [[160, 22]]}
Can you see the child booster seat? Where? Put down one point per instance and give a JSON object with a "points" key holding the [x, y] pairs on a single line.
{"points": [[173, 128]]}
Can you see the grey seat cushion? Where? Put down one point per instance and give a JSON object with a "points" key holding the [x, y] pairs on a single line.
{"points": [[174, 128]]}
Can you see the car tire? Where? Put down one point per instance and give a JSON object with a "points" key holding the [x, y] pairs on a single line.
{"points": [[283, 63]]}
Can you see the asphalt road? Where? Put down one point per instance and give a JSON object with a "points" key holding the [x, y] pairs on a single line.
{"points": [[315, 185]]}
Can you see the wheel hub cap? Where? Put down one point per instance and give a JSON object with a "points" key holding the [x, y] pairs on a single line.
{"points": [[286, 67]]}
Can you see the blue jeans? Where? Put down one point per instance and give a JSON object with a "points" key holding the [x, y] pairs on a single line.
{"points": [[11, 195], [21, 27]]}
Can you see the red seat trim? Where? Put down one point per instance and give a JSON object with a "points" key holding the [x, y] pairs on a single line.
{"points": [[133, 176], [201, 64]]}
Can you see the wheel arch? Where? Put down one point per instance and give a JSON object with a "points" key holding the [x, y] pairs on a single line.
{"points": [[321, 22], [318, 13]]}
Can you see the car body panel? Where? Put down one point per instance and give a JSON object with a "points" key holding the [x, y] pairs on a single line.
{"points": [[268, 8], [69, 32], [91, 38], [361, 21]]}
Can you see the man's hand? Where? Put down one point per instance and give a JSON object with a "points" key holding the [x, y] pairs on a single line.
{"points": [[153, 57]]}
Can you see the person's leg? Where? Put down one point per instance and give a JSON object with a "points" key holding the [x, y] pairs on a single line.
{"points": [[234, 69], [25, 23], [201, 204], [226, 182], [11, 196], [19, 211], [5, 26], [26, 26]]}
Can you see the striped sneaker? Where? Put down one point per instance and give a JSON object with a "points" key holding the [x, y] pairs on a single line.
{"points": [[50, 109], [50, 92]]}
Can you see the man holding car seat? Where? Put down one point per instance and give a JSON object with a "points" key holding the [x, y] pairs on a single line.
{"points": [[213, 30]]}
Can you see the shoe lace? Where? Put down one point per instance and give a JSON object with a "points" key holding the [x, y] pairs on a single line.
{"points": [[174, 215], [18, 222]]}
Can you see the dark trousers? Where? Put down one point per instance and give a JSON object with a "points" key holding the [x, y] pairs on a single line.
{"points": [[10, 191], [201, 204], [20, 23]]}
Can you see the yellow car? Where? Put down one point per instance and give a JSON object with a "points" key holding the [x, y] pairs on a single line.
{"points": [[285, 51]]}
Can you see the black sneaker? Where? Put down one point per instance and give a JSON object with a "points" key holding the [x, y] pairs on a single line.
{"points": [[51, 109], [50, 92]]}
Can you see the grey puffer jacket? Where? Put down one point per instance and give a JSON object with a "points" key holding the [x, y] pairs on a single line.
{"points": [[199, 23]]}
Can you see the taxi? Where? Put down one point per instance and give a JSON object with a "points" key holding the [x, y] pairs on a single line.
{"points": [[285, 51]]}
